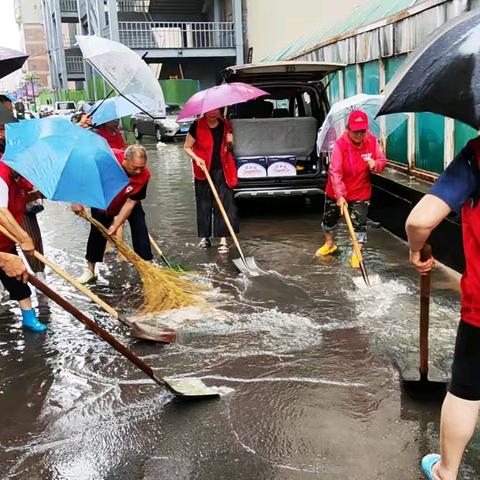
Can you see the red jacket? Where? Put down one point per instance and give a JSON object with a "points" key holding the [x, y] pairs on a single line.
{"points": [[471, 247], [349, 174], [115, 141], [134, 186], [203, 147], [18, 189]]}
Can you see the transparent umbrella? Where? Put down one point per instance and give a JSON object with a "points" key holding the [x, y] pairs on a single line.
{"points": [[336, 120], [125, 71]]}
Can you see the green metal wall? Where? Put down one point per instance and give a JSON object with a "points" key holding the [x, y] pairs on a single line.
{"points": [[463, 133], [350, 79], [429, 142], [371, 78], [397, 142], [334, 89], [179, 91]]}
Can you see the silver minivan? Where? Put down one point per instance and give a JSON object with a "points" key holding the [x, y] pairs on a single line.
{"points": [[275, 135]]}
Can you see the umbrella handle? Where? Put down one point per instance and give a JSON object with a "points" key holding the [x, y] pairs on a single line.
{"points": [[99, 105]]}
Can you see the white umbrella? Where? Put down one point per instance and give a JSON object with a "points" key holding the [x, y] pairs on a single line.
{"points": [[125, 71], [336, 120]]}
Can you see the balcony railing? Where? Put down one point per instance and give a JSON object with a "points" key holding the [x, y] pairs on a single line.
{"points": [[177, 35], [68, 6], [141, 6], [74, 65]]}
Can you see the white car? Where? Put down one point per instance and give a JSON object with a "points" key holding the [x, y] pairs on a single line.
{"points": [[65, 108]]}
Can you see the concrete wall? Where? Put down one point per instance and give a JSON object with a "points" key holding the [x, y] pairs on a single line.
{"points": [[271, 25]]}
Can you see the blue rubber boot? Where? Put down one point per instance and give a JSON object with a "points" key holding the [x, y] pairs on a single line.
{"points": [[428, 461], [31, 323]]}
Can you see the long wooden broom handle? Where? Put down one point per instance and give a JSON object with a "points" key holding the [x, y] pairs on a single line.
{"points": [[425, 281], [65, 276], [224, 213], [351, 231]]}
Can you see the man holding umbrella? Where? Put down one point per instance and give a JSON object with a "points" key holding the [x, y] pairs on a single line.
{"points": [[125, 206]]}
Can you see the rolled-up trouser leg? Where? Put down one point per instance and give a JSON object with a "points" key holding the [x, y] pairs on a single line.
{"points": [[359, 213], [331, 215], [138, 227], [30, 225], [96, 241], [16, 288]]}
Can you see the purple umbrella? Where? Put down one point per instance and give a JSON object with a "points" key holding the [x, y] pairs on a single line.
{"points": [[219, 97], [10, 61]]}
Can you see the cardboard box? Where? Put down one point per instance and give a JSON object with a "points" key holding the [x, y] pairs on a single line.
{"points": [[282, 166], [251, 167]]}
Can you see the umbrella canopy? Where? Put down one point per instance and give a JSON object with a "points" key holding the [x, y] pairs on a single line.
{"points": [[442, 75], [112, 109], [219, 97], [10, 61], [65, 162], [336, 121], [125, 71]]}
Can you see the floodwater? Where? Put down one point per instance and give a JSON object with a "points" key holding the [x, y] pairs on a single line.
{"points": [[310, 359]]}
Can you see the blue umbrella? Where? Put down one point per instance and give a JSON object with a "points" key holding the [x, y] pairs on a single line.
{"points": [[65, 162], [111, 109]]}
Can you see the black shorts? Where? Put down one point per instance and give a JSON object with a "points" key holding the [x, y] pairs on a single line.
{"points": [[16, 288], [465, 382]]}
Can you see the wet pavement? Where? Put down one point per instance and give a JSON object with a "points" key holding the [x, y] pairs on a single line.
{"points": [[309, 356]]}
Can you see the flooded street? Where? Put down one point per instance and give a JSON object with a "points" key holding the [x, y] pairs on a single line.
{"points": [[309, 356]]}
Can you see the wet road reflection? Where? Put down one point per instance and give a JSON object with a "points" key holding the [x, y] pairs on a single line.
{"points": [[309, 356]]}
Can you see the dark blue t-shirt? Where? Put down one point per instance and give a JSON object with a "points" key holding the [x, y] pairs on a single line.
{"points": [[459, 182]]}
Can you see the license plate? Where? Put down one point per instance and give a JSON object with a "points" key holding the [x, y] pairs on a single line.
{"points": [[184, 129]]}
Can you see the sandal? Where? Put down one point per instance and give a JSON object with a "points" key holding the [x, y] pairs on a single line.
{"points": [[428, 461], [204, 243], [223, 249]]}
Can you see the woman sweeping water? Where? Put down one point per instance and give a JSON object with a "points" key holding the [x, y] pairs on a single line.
{"points": [[207, 144]]}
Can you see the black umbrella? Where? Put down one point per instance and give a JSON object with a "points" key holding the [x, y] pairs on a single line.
{"points": [[10, 61], [442, 75]]}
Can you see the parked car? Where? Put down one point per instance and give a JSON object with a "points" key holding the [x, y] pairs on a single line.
{"points": [[64, 108], [162, 129], [45, 111], [275, 136]]}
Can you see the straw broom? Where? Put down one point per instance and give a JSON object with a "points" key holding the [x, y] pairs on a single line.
{"points": [[163, 289]]}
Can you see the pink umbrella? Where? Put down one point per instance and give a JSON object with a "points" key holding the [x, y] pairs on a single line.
{"points": [[218, 97]]}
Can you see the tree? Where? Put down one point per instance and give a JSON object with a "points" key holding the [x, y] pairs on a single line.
{"points": [[31, 80]]}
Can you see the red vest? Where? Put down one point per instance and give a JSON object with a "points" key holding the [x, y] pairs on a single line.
{"points": [[203, 147], [133, 187], [356, 173], [471, 247], [114, 141], [18, 189]]}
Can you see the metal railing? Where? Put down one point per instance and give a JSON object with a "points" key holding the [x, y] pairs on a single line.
{"points": [[74, 65], [68, 6], [141, 6], [177, 35]]}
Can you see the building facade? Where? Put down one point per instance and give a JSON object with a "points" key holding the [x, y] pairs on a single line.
{"points": [[28, 14], [181, 36]]}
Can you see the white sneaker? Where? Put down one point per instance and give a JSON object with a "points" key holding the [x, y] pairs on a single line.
{"points": [[87, 277]]}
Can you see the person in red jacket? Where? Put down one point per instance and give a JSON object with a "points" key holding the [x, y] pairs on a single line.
{"points": [[457, 189], [14, 196], [111, 133], [355, 154], [208, 145], [125, 206]]}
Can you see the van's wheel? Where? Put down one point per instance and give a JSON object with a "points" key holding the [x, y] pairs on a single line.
{"points": [[158, 135], [136, 133]]}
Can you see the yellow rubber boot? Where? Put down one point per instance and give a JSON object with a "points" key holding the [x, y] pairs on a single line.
{"points": [[326, 250], [354, 261]]}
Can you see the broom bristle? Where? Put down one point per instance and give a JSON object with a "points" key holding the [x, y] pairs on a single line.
{"points": [[163, 289]]}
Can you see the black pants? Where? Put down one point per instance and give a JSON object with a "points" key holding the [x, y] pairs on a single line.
{"points": [[97, 242], [207, 208], [16, 288], [466, 363]]}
